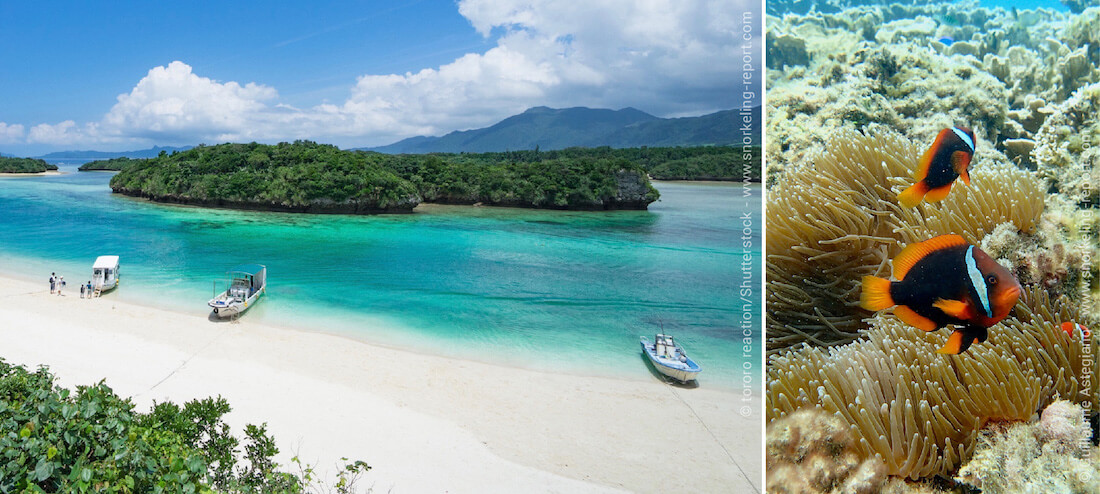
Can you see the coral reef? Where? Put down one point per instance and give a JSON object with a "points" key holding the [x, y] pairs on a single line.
{"points": [[893, 65], [835, 220], [919, 412], [1051, 455], [813, 452], [1067, 148]]}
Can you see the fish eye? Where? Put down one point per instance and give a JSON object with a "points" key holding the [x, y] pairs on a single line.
{"points": [[992, 280]]}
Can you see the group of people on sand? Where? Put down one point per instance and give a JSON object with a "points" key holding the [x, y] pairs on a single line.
{"points": [[58, 282]]}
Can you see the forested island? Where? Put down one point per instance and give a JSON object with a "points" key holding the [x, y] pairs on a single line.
{"points": [[24, 165], [113, 164], [300, 177], [308, 177]]}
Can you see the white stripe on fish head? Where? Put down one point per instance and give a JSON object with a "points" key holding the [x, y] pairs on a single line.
{"points": [[978, 281], [965, 138]]}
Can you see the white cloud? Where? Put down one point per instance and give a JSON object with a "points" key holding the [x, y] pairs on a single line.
{"points": [[666, 57], [172, 101], [62, 133], [10, 133]]}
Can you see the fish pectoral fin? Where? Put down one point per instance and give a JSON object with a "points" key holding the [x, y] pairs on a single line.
{"points": [[954, 308], [957, 343], [910, 317], [960, 162]]}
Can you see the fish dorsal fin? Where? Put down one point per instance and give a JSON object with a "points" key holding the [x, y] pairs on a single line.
{"points": [[954, 308], [915, 252], [960, 162], [924, 164]]}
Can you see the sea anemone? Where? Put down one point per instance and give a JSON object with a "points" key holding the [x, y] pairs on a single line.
{"points": [[832, 222], [919, 412]]}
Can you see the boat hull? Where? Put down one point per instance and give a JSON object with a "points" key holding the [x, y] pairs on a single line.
{"points": [[681, 370], [224, 310]]}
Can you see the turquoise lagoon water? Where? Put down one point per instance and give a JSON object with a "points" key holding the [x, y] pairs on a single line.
{"points": [[551, 290]]}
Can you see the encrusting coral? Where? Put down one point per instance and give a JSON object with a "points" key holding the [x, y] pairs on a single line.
{"points": [[832, 222], [1051, 455], [919, 412], [896, 65], [1067, 149], [812, 452]]}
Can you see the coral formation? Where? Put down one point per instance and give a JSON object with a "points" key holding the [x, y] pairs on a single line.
{"points": [[1051, 455], [1067, 148], [919, 412], [1003, 75], [832, 222], [812, 451]]}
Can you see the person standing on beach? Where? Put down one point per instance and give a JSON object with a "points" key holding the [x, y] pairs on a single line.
{"points": [[89, 288], [60, 284], [53, 282], [81, 290]]}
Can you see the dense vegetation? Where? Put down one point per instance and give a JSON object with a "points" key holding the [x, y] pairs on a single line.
{"points": [[727, 163], [503, 179], [113, 164], [24, 165], [309, 177], [91, 440], [302, 177]]}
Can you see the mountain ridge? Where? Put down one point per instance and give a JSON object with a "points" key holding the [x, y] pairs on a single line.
{"points": [[95, 155], [549, 128]]}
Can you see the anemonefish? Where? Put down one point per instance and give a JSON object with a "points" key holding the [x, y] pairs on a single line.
{"points": [[942, 281], [1072, 327], [947, 159]]}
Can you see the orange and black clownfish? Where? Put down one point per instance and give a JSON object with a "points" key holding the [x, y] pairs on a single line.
{"points": [[1071, 327], [942, 281], [947, 159]]}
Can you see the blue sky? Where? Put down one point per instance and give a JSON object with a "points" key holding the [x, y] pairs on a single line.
{"points": [[128, 75]]}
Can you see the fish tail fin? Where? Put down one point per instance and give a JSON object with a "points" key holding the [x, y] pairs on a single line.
{"points": [[957, 343], [913, 195], [875, 294], [938, 194]]}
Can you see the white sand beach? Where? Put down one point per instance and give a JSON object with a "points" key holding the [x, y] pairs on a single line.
{"points": [[424, 423], [37, 174]]}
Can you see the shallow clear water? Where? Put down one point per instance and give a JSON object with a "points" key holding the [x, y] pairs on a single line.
{"points": [[563, 291]]}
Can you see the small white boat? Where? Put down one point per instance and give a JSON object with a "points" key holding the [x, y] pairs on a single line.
{"points": [[247, 283], [105, 273], [669, 359]]}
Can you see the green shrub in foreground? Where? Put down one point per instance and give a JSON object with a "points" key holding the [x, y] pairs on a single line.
{"points": [[91, 440]]}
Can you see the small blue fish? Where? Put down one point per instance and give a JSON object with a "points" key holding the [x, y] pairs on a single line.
{"points": [[947, 40]]}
